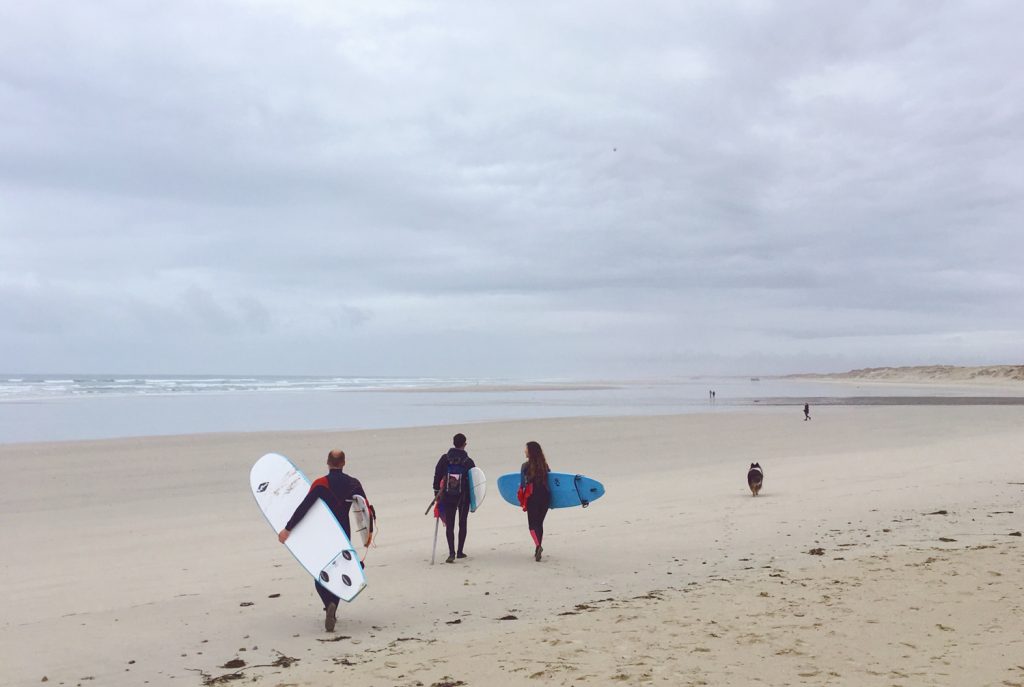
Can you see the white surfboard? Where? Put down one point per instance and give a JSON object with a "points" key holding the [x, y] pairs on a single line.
{"points": [[363, 521], [317, 542], [477, 488]]}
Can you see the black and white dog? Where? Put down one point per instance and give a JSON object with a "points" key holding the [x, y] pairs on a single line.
{"points": [[755, 478]]}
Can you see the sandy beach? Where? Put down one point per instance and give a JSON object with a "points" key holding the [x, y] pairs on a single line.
{"points": [[885, 549]]}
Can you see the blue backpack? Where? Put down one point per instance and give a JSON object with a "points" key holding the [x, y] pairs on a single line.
{"points": [[453, 479]]}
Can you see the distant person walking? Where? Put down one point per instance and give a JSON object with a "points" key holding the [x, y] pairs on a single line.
{"points": [[807, 412], [451, 489], [534, 493], [336, 489]]}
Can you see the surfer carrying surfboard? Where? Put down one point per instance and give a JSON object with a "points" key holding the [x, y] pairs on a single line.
{"points": [[336, 489], [535, 494], [451, 491]]}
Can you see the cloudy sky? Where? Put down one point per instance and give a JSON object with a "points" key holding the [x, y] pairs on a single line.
{"points": [[570, 189]]}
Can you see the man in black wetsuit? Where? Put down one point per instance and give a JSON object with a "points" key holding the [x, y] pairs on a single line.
{"points": [[451, 487], [336, 489]]}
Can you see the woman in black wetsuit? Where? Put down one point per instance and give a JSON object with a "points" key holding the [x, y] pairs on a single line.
{"points": [[534, 494]]}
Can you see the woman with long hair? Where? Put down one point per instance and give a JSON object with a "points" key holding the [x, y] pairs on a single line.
{"points": [[534, 494]]}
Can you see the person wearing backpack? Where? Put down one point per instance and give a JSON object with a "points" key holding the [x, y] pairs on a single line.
{"points": [[336, 489], [451, 488]]}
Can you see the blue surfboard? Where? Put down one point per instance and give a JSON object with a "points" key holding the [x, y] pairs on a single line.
{"points": [[566, 490]]}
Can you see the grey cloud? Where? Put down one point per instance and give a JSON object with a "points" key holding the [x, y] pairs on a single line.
{"points": [[777, 174]]}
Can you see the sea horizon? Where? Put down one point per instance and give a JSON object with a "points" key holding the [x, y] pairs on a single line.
{"points": [[73, 406]]}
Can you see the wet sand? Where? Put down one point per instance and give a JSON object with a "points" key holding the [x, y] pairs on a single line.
{"points": [[889, 401]]}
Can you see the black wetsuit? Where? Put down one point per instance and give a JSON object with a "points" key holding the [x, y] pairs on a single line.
{"points": [[336, 489], [537, 505], [460, 504]]}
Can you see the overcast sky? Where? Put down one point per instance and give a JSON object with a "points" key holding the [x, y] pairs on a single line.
{"points": [[510, 189]]}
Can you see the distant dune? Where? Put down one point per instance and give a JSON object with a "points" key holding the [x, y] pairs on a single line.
{"points": [[924, 374]]}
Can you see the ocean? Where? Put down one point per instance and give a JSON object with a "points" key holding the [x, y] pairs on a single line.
{"points": [[60, 407]]}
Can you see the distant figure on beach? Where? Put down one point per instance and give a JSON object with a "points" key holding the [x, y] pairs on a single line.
{"points": [[336, 489], [755, 478], [451, 489], [534, 494], [807, 412]]}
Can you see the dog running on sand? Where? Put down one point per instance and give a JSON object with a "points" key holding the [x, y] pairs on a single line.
{"points": [[755, 478]]}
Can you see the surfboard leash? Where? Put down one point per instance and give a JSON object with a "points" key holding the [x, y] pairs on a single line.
{"points": [[374, 529], [576, 483]]}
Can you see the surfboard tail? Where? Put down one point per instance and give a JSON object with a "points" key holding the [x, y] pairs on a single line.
{"points": [[343, 576]]}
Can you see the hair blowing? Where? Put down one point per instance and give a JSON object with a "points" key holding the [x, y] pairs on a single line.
{"points": [[538, 464]]}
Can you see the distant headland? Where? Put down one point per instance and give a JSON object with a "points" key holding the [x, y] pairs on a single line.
{"points": [[925, 374]]}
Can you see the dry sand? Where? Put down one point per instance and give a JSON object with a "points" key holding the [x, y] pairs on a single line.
{"points": [[146, 561]]}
